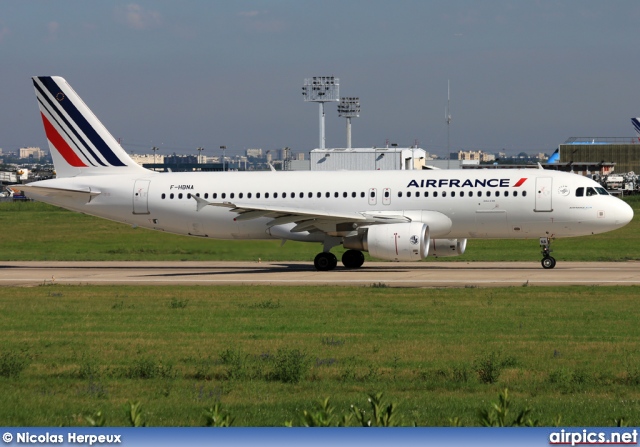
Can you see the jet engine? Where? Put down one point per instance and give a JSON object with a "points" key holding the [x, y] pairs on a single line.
{"points": [[443, 248], [393, 242]]}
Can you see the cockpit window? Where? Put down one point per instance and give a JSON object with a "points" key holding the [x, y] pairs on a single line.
{"points": [[602, 191], [591, 192], [579, 192]]}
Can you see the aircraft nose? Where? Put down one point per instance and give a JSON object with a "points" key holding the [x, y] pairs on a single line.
{"points": [[624, 213]]}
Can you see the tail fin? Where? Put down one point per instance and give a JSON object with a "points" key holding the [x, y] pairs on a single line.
{"points": [[636, 125], [79, 143]]}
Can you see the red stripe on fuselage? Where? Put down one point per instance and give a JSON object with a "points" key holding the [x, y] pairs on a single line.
{"points": [[520, 182], [61, 145]]}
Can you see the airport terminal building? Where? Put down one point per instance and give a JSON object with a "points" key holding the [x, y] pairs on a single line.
{"points": [[621, 151]]}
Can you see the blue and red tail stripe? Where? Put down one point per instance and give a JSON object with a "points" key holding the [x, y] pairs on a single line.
{"points": [[61, 145], [636, 124], [76, 124]]}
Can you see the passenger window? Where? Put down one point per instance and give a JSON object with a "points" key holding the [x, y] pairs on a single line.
{"points": [[362, 194], [180, 196], [506, 193], [470, 193], [318, 195], [284, 195], [417, 193], [188, 195], [248, 195], [515, 193], [399, 193], [497, 193], [310, 195], [453, 193], [327, 195], [524, 193], [301, 195], [266, 195], [435, 193], [461, 193], [444, 193], [171, 196], [488, 193], [214, 195], [275, 195], [257, 195], [426, 193], [240, 196], [336, 195], [163, 195], [373, 194], [353, 194], [408, 194], [206, 195], [231, 196], [224, 195], [344, 195], [386, 194], [479, 193]]}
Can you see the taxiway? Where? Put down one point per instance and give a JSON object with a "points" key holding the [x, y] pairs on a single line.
{"points": [[393, 274]]}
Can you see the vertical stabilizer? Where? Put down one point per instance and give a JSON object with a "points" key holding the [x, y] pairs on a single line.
{"points": [[636, 125], [79, 143]]}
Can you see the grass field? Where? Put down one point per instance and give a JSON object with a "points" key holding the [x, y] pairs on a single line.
{"points": [[267, 353], [36, 231]]}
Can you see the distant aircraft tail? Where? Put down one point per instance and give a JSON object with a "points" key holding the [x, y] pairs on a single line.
{"points": [[636, 125], [79, 143], [555, 157]]}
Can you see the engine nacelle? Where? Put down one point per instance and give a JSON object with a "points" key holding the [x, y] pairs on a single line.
{"points": [[443, 248], [397, 242]]}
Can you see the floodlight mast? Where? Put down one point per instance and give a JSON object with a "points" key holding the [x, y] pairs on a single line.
{"points": [[321, 89], [348, 108]]}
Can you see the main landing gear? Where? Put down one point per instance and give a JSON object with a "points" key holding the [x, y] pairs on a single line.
{"points": [[351, 259], [548, 261]]}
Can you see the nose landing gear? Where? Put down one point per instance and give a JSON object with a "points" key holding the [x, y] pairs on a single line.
{"points": [[548, 261]]}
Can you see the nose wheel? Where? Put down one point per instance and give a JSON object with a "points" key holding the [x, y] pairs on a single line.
{"points": [[548, 261]]}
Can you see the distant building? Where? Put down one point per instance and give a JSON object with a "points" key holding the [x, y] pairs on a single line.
{"points": [[253, 153], [142, 159], [180, 159], [363, 159], [622, 151], [32, 152], [479, 156]]}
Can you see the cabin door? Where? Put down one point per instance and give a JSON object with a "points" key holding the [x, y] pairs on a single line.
{"points": [[141, 197], [543, 194]]}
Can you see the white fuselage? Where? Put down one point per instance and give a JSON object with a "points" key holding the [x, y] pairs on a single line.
{"points": [[500, 203]]}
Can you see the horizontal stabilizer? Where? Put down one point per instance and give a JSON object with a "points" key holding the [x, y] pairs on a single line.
{"points": [[77, 194]]}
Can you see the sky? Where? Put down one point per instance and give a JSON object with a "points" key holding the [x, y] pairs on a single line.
{"points": [[524, 75]]}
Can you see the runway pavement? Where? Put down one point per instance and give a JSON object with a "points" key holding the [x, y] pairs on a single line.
{"points": [[393, 274]]}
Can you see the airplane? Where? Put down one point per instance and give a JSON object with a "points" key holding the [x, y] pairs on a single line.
{"points": [[636, 125], [394, 215]]}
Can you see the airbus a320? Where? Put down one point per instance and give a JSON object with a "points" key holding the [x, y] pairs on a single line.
{"points": [[394, 215]]}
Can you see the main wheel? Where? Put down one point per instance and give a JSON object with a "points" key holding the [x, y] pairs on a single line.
{"points": [[325, 261], [352, 259], [548, 262]]}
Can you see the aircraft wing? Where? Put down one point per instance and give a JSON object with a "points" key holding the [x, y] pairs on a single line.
{"points": [[305, 219], [76, 193]]}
